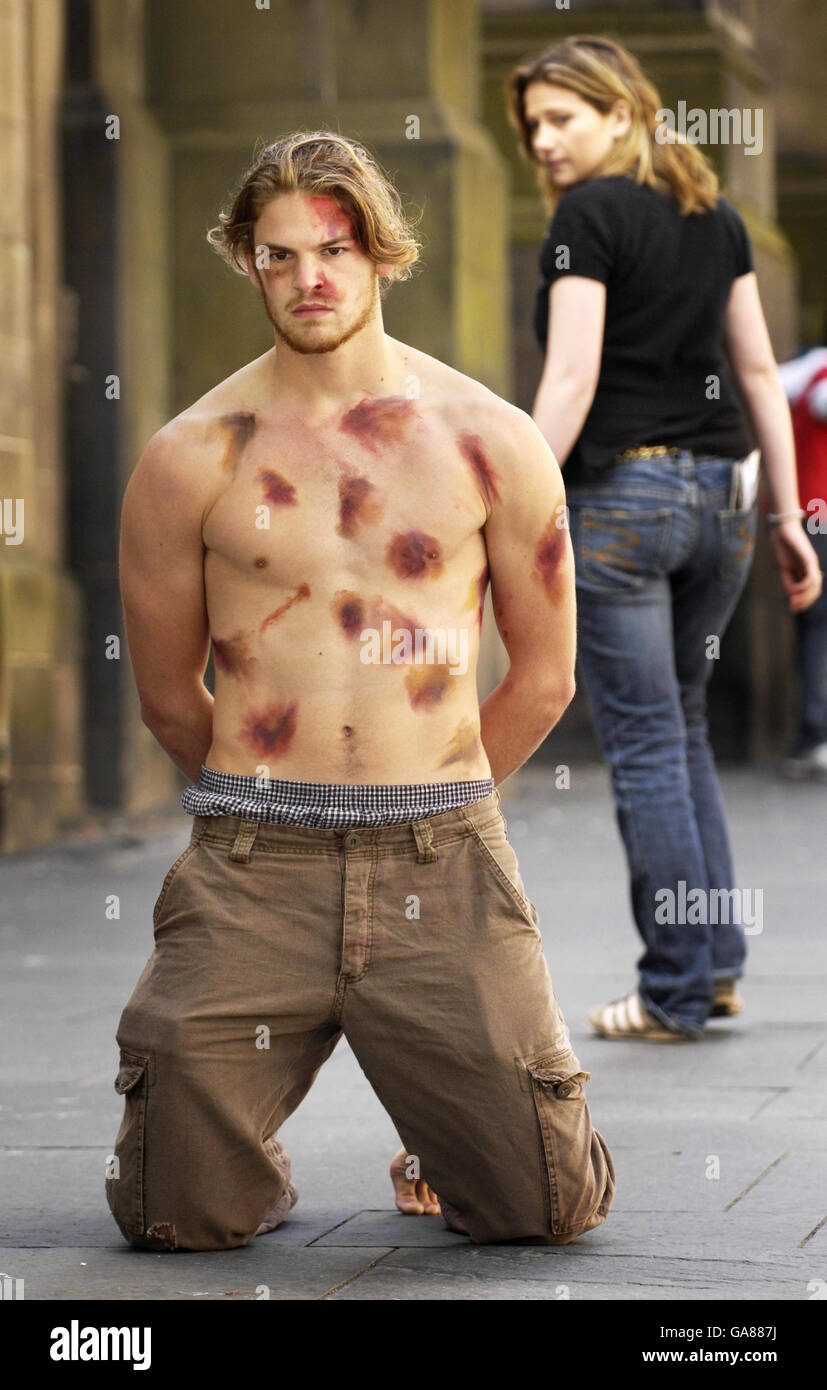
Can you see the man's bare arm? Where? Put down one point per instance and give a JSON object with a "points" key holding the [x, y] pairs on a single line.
{"points": [[162, 588], [532, 588]]}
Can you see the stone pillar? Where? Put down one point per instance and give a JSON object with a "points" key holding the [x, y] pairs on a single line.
{"points": [[41, 773], [142, 328]]}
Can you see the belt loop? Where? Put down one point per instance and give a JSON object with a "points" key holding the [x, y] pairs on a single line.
{"points": [[244, 841], [499, 799], [424, 835]]}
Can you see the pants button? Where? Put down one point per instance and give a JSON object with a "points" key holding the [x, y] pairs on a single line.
{"points": [[351, 840]]}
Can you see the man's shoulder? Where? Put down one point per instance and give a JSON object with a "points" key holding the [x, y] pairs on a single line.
{"points": [[196, 429], [462, 401]]}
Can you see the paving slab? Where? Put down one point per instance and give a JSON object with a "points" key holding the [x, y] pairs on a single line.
{"points": [[258, 1271]]}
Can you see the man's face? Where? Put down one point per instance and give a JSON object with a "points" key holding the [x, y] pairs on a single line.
{"points": [[320, 287]]}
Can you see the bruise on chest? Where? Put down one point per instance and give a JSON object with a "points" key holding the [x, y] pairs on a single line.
{"points": [[289, 504]]}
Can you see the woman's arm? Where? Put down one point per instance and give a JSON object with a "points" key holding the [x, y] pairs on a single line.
{"points": [[750, 353], [576, 311]]}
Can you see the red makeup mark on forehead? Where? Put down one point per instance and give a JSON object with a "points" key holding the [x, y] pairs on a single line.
{"points": [[376, 423], [484, 473], [232, 654], [302, 592], [359, 504], [463, 743], [413, 555], [332, 217], [349, 612], [427, 686], [549, 554], [239, 429], [276, 489], [270, 730]]}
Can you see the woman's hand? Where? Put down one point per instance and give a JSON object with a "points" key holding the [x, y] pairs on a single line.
{"points": [[797, 564]]}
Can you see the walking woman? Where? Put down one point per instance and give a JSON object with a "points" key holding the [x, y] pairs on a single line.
{"points": [[648, 298]]}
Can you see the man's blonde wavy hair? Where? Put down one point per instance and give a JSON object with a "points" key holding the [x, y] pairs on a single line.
{"points": [[324, 164]]}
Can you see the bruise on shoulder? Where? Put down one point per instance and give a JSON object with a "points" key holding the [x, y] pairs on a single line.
{"points": [[428, 685], [549, 554], [413, 555], [301, 593], [379, 422], [360, 504], [349, 611], [485, 475], [270, 729], [238, 428], [463, 743], [232, 654], [276, 488]]}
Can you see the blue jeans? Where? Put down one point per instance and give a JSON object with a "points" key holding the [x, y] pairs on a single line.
{"points": [[660, 564]]}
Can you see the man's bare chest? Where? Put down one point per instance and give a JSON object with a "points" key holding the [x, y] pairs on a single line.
{"points": [[403, 498]]}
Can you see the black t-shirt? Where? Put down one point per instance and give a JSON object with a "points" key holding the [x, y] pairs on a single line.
{"points": [[667, 281]]}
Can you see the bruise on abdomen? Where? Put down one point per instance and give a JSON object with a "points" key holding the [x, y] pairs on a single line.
{"points": [[302, 592], [386, 613], [463, 743], [549, 555], [485, 475], [277, 490], [427, 686], [239, 428], [378, 423], [413, 555], [232, 654], [270, 729], [359, 504], [349, 612]]}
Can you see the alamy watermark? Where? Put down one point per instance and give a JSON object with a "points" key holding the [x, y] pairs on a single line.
{"points": [[421, 645], [713, 906], [717, 126]]}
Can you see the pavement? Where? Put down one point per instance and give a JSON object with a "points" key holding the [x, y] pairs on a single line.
{"points": [[719, 1144]]}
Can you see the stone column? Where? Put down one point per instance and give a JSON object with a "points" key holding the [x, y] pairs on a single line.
{"points": [[41, 773]]}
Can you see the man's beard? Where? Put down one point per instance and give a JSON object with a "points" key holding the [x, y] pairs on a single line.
{"points": [[306, 346]]}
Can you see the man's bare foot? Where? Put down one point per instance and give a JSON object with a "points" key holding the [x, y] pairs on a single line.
{"points": [[287, 1201], [413, 1195]]}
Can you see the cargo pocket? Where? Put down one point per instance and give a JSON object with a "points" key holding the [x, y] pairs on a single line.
{"points": [[125, 1186], [171, 872], [581, 1177]]}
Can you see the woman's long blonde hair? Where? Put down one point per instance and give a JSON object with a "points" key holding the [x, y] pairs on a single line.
{"points": [[601, 71]]}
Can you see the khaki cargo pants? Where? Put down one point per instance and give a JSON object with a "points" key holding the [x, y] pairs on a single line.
{"points": [[415, 941]]}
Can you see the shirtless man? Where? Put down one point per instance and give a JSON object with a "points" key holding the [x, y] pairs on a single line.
{"points": [[329, 518]]}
